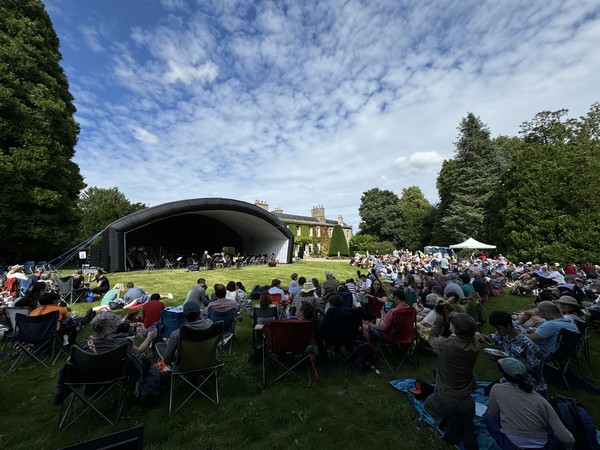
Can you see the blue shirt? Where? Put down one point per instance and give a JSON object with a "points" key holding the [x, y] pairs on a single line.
{"points": [[549, 332]]}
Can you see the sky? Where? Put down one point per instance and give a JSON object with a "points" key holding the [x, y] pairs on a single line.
{"points": [[311, 102]]}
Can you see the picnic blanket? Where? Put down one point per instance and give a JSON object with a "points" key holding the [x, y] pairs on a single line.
{"points": [[484, 438]]}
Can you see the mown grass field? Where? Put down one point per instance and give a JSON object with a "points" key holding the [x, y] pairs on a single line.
{"points": [[344, 410]]}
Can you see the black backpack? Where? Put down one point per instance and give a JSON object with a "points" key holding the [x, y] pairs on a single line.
{"points": [[577, 420]]}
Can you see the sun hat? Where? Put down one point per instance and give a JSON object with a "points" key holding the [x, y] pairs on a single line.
{"points": [[512, 367], [104, 324], [568, 300], [308, 287], [463, 323], [16, 267]]}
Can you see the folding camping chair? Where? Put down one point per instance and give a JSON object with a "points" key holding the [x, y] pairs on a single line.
{"points": [[197, 362], [288, 344], [90, 377], [168, 264], [12, 318], [150, 265], [169, 321], [67, 292], [342, 328], [403, 346], [35, 337], [229, 320], [567, 347]]}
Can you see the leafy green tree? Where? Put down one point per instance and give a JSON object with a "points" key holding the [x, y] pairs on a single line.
{"points": [[361, 242], [550, 203], [338, 243], [40, 183], [381, 215], [100, 207], [416, 211]]}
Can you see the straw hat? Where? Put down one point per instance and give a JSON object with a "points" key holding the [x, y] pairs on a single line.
{"points": [[568, 300], [308, 287]]}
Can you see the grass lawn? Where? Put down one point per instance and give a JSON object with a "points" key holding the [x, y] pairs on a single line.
{"points": [[344, 410]]}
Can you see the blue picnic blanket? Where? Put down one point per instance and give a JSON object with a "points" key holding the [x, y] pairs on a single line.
{"points": [[484, 438]]}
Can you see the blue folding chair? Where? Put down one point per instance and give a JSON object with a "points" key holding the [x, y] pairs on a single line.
{"points": [[169, 321], [228, 319]]}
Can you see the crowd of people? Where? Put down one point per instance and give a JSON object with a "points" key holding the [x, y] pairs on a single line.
{"points": [[394, 293]]}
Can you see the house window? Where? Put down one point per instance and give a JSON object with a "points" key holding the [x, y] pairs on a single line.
{"points": [[310, 231], [318, 247], [310, 248], [318, 231], [298, 231], [329, 231]]}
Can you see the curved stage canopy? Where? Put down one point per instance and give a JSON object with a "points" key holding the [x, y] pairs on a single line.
{"points": [[194, 226]]}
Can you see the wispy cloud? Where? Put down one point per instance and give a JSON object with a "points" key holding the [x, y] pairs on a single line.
{"points": [[302, 103]]}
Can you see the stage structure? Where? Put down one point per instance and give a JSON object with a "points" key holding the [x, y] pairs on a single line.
{"points": [[194, 226]]}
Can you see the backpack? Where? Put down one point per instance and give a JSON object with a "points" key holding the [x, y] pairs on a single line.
{"points": [[255, 293], [143, 379], [577, 420]]}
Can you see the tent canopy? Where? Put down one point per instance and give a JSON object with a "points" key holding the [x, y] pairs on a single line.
{"points": [[472, 244]]}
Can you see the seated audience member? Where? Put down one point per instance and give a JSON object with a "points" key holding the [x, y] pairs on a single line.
{"points": [[295, 291], [64, 325], [307, 294], [151, 310], [351, 286], [32, 296], [376, 299], [191, 312], [427, 317], [104, 326], [456, 302], [102, 283], [572, 310], [231, 291], [530, 318], [78, 280], [546, 335], [330, 284], [276, 288], [221, 303], [294, 282], [306, 311], [398, 323], [451, 405], [518, 417], [451, 288], [197, 293], [517, 345], [112, 294], [241, 296], [318, 287], [264, 312], [466, 285]]}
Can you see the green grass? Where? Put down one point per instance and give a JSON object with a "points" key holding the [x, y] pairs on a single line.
{"points": [[344, 410]]}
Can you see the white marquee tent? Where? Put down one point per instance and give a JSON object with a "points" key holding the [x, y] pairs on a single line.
{"points": [[471, 244]]}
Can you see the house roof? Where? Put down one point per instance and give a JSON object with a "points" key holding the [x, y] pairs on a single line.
{"points": [[308, 220]]}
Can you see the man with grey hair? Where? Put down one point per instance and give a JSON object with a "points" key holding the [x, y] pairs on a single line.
{"points": [[330, 284], [451, 288], [546, 335]]}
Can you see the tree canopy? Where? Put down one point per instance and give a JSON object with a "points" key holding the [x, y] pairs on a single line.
{"points": [[100, 207], [381, 215], [415, 228], [40, 182], [338, 243]]}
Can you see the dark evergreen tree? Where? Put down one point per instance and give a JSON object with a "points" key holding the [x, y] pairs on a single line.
{"points": [[338, 243], [40, 183]]}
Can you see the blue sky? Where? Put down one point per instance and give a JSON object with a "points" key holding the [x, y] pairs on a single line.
{"points": [[301, 103]]}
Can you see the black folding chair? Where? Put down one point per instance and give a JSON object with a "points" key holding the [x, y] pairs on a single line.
{"points": [[90, 377], [35, 338], [67, 292], [197, 362], [342, 329]]}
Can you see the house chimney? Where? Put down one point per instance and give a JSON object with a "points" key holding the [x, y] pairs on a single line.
{"points": [[261, 204], [278, 210], [318, 212], [340, 220]]}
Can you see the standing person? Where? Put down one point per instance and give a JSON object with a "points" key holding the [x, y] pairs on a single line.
{"points": [[151, 310], [294, 282], [197, 293], [451, 405], [518, 417], [444, 264], [102, 283]]}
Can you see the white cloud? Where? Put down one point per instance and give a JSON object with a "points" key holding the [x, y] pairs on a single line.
{"points": [[307, 103], [144, 136]]}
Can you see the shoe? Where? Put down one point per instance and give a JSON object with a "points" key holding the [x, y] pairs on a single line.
{"points": [[169, 295], [89, 315]]}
